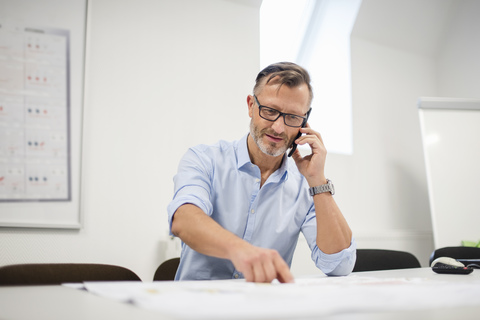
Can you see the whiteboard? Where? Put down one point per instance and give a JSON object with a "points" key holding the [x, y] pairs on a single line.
{"points": [[451, 142]]}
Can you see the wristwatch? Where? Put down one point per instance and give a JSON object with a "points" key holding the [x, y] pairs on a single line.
{"points": [[322, 188]]}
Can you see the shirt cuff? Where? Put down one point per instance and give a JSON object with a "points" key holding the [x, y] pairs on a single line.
{"points": [[336, 264]]}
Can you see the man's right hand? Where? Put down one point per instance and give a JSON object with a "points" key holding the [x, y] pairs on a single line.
{"points": [[260, 264]]}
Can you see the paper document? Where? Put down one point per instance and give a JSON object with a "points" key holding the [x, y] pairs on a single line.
{"points": [[236, 299]]}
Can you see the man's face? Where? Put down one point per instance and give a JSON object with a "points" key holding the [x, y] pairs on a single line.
{"points": [[275, 137]]}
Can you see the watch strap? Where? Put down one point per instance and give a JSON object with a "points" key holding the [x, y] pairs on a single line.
{"points": [[328, 187]]}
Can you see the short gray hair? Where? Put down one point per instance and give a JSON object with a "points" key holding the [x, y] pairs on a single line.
{"points": [[284, 73]]}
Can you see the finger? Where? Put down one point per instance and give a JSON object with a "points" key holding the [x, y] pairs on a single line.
{"points": [[248, 274], [283, 272], [314, 139], [311, 141], [258, 273], [310, 132], [320, 137], [285, 279], [296, 156], [269, 270]]}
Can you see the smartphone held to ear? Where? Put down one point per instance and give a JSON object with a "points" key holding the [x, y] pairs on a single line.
{"points": [[294, 145]]}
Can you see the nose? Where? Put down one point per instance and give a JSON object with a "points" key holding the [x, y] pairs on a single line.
{"points": [[279, 125]]}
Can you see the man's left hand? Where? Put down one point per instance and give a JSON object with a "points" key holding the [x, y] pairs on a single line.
{"points": [[311, 166]]}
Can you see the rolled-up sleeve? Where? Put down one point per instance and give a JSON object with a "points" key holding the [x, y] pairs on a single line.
{"points": [[336, 264], [191, 185]]}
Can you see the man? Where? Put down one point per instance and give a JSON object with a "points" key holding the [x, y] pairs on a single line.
{"points": [[239, 206]]}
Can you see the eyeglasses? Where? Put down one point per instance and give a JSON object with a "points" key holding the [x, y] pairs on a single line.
{"points": [[291, 120]]}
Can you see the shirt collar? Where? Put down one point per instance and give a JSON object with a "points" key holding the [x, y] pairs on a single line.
{"points": [[242, 153]]}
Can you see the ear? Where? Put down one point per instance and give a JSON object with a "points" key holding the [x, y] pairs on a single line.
{"points": [[251, 105]]}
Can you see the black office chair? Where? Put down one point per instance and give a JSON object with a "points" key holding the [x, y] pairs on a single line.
{"points": [[456, 253], [380, 259], [58, 273], [166, 270]]}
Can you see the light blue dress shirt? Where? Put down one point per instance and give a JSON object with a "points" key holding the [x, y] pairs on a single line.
{"points": [[222, 181]]}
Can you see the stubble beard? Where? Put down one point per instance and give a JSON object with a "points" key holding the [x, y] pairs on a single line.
{"points": [[268, 148]]}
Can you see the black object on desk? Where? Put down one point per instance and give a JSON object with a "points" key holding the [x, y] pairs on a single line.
{"points": [[449, 269]]}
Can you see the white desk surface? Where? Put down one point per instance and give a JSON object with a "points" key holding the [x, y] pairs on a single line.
{"points": [[60, 302]]}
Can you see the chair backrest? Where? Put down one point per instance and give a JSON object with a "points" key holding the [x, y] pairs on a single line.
{"points": [[58, 273], [380, 259], [166, 270], [456, 253]]}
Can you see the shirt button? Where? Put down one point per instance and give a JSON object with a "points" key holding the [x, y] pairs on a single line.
{"points": [[236, 276], [257, 180], [253, 211]]}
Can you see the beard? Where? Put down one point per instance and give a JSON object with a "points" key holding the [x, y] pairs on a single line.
{"points": [[269, 148]]}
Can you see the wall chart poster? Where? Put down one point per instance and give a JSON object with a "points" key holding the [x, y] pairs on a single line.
{"points": [[40, 127], [34, 114]]}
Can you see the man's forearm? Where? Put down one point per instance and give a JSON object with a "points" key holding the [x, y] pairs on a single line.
{"points": [[202, 233], [333, 232]]}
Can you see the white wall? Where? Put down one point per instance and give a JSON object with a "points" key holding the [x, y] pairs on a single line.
{"points": [[161, 76], [458, 63]]}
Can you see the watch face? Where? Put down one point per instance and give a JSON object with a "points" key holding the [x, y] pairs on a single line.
{"points": [[331, 187]]}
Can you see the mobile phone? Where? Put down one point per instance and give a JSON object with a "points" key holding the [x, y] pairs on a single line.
{"points": [[294, 145]]}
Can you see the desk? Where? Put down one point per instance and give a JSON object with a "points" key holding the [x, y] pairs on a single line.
{"points": [[60, 302]]}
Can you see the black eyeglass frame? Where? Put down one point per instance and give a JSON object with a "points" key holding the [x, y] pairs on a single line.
{"points": [[280, 114]]}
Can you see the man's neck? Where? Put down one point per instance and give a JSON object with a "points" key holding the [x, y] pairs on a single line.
{"points": [[266, 163]]}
